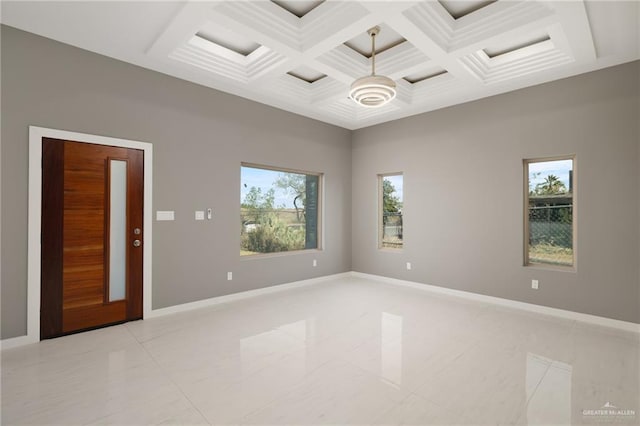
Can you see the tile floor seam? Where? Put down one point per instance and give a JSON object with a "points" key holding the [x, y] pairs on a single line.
{"points": [[126, 325], [274, 401], [230, 385], [294, 390], [154, 337], [546, 371], [175, 385], [437, 404], [398, 404]]}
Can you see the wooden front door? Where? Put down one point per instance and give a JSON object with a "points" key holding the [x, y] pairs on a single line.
{"points": [[92, 236]]}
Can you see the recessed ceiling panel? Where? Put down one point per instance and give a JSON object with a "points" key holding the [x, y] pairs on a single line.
{"points": [[536, 58], [506, 46], [459, 8], [228, 39], [306, 74], [424, 75], [505, 19], [385, 40], [298, 8]]}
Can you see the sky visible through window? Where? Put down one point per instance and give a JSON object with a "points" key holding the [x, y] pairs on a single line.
{"points": [[396, 181], [265, 180], [538, 172]]}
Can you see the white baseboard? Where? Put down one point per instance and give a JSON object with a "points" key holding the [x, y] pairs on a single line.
{"points": [[242, 295], [561, 313], [14, 342]]}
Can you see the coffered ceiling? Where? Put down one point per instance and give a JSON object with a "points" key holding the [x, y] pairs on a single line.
{"points": [[302, 56]]}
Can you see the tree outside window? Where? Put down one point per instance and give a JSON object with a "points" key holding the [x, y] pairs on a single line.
{"points": [[279, 210], [391, 226]]}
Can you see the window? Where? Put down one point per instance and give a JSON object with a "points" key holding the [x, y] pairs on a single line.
{"points": [[279, 210], [390, 190], [549, 207]]}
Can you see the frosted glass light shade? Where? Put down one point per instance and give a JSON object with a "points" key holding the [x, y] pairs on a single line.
{"points": [[373, 91]]}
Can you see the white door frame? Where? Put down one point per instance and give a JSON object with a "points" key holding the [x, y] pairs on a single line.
{"points": [[35, 214]]}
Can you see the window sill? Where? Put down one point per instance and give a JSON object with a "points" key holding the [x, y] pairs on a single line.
{"points": [[390, 250], [550, 267], [279, 254]]}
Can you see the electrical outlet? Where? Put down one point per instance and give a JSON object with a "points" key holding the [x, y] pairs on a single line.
{"points": [[229, 276], [534, 284], [315, 262], [408, 266]]}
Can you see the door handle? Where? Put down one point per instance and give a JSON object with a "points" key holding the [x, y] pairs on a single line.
{"points": [[136, 243]]}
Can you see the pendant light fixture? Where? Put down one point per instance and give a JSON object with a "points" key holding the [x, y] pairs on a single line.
{"points": [[373, 90]]}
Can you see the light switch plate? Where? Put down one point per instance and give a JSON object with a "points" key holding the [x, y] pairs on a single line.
{"points": [[199, 215], [165, 215]]}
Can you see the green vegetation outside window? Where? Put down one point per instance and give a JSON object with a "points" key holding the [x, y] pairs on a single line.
{"points": [[279, 210]]}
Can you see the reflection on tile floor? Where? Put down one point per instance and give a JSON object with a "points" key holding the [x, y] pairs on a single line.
{"points": [[349, 351]]}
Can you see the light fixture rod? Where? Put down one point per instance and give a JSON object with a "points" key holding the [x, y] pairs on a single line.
{"points": [[373, 32], [373, 54]]}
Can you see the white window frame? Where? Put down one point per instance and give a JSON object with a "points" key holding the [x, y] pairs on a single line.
{"points": [[574, 216], [320, 230]]}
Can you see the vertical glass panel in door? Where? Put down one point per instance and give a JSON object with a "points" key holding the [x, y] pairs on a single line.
{"points": [[117, 229]]}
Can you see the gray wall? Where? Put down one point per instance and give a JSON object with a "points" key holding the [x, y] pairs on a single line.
{"points": [[462, 166], [199, 138], [463, 224]]}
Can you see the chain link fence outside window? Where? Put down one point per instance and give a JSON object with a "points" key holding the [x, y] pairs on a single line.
{"points": [[392, 230], [551, 233]]}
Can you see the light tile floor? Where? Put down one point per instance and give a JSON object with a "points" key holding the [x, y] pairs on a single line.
{"points": [[349, 351]]}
